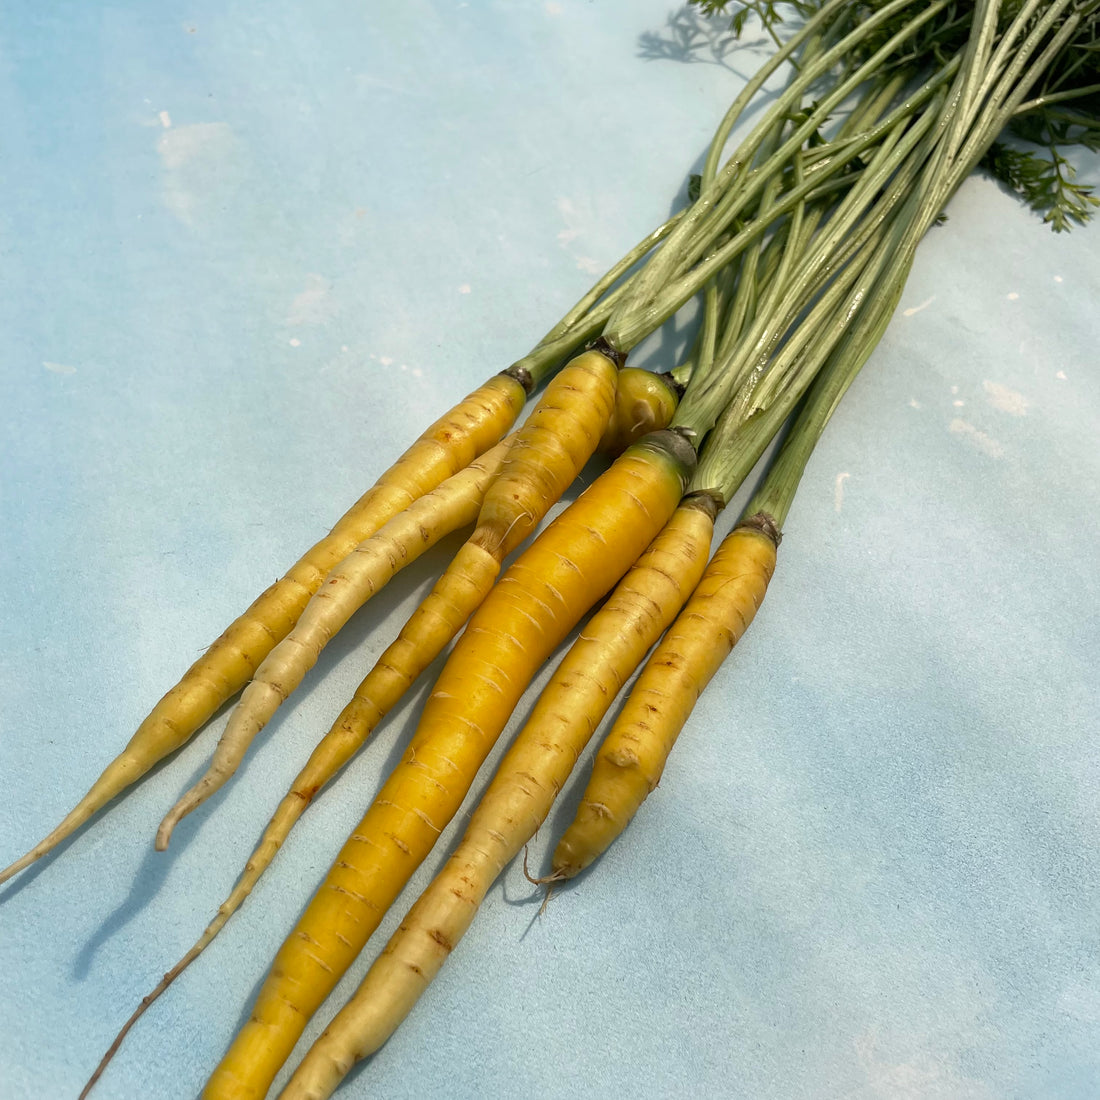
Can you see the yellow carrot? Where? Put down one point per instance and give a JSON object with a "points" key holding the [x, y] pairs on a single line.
{"points": [[470, 428], [631, 759], [517, 801], [641, 397], [370, 566], [540, 598], [644, 403], [544, 458]]}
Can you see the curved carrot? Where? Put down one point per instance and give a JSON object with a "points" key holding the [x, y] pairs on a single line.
{"points": [[470, 428], [544, 458], [644, 402], [631, 759], [517, 801], [577, 559]]}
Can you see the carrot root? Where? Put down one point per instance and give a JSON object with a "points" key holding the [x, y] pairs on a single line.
{"points": [[632, 758], [574, 411], [451, 443], [520, 796], [644, 402], [540, 598], [543, 459], [365, 571]]}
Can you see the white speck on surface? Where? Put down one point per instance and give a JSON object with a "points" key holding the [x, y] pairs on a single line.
{"points": [[344, 347], [199, 164], [588, 265], [1061, 374], [958, 404], [838, 490], [385, 360], [914, 403], [165, 119], [985, 443], [1012, 295], [1081, 1002], [312, 306], [553, 9], [916, 309], [906, 1073], [58, 368], [368, 82], [1004, 399], [295, 342], [1057, 278], [416, 372], [568, 214], [954, 389], [465, 288]]}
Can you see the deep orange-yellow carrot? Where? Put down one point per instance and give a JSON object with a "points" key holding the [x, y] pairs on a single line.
{"points": [[518, 799], [543, 460], [469, 429], [644, 402], [631, 759], [541, 597]]}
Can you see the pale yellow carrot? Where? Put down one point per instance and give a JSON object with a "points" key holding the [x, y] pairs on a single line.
{"points": [[470, 428]]}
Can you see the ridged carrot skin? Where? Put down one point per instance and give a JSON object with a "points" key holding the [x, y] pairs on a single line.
{"points": [[451, 443], [541, 597], [632, 758], [352, 582], [612, 644], [550, 450], [543, 460], [429, 629]]}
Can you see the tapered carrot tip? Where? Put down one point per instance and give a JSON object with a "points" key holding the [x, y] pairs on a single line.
{"points": [[21, 864], [190, 801], [116, 777], [164, 832], [555, 876]]}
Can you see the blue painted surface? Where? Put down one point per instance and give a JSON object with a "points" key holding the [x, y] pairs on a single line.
{"points": [[246, 252]]}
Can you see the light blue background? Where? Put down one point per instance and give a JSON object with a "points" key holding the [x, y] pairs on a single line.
{"points": [[247, 252]]}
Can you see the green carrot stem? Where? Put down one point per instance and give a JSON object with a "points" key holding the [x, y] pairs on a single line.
{"points": [[1050, 98], [692, 235], [688, 240], [777, 491], [704, 400]]}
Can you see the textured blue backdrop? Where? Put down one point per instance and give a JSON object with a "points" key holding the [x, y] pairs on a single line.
{"points": [[247, 251]]}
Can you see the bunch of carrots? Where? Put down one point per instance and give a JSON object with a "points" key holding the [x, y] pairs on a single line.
{"points": [[794, 248]]}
